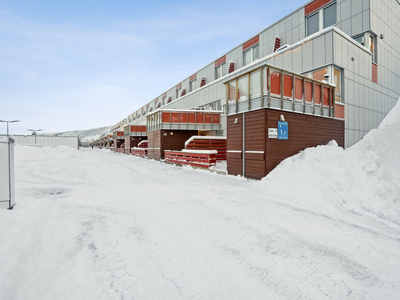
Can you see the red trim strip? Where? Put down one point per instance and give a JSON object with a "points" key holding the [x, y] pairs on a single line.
{"points": [[313, 6], [251, 42], [220, 61], [193, 77]]}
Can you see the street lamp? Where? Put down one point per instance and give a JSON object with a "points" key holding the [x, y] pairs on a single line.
{"points": [[7, 124], [9, 159], [35, 132]]}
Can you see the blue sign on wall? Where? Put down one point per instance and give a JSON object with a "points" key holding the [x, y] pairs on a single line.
{"points": [[283, 130]]}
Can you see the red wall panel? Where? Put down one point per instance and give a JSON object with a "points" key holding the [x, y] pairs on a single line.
{"points": [[313, 6]]}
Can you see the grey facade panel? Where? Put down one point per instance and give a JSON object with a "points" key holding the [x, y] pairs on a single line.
{"points": [[308, 56], [356, 6], [356, 24], [319, 51]]}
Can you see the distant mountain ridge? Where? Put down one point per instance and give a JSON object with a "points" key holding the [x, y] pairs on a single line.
{"points": [[84, 135]]}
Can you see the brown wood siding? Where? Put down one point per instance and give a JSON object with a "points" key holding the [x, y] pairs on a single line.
{"points": [[153, 141], [174, 141], [234, 143], [255, 141], [133, 141], [304, 131]]}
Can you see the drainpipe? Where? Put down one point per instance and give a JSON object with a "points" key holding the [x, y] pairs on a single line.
{"points": [[243, 148]]}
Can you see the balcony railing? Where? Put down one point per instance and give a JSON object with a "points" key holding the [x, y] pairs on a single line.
{"points": [[184, 120], [279, 89]]}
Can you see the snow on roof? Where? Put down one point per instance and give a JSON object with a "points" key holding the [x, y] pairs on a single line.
{"points": [[199, 137], [200, 151]]}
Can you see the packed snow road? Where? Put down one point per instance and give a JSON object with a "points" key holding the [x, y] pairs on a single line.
{"points": [[98, 225], [93, 224]]}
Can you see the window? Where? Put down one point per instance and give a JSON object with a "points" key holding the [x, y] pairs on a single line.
{"points": [[164, 99], [372, 47], [313, 24], [319, 75], [192, 85], [321, 19], [250, 55], [360, 39], [220, 71], [367, 40], [178, 91], [334, 77], [337, 82], [330, 15]]}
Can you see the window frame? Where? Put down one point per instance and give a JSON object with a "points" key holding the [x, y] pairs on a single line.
{"points": [[178, 91], [191, 85], [330, 70], [320, 13], [252, 52], [366, 37], [220, 68]]}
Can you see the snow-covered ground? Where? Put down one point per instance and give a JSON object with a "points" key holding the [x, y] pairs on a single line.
{"points": [[92, 224]]}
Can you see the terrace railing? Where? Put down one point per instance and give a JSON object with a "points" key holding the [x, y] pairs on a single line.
{"points": [[184, 120], [272, 87]]}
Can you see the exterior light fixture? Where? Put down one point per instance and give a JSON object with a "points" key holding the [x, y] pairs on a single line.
{"points": [[7, 124], [34, 132]]}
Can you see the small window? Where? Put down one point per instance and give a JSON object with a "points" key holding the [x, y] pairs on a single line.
{"points": [[251, 55], [192, 85], [319, 75], [337, 81], [220, 71], [178, 93], [330, 15], [164, 99], [360, 39], [372, 47], [312, 24], [368, 41]]}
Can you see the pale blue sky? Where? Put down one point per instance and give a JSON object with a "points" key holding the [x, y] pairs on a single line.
{"points": [[69, 65]]}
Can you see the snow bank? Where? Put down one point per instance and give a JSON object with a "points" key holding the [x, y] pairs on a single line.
{"points": [[29, 153], [364, 178]]}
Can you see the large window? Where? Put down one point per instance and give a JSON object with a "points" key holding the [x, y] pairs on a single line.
{"points": [[220, 71], [250, 55], [321, 19]]}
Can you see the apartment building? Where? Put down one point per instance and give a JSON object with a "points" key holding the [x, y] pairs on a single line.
{"points": [[353, 44]]}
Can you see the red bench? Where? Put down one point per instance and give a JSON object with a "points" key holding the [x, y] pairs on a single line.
{"points": [[196, 158], [208, 143], [141, 150]]}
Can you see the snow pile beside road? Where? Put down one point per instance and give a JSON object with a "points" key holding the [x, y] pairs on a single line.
{"points": [[364, 179], [28, 153]]}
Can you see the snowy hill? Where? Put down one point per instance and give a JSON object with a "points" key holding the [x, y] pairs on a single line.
{"points": [[84, 135], [93, 224]]}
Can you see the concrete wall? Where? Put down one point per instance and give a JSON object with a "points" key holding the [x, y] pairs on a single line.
{"points": [[47, 141]]}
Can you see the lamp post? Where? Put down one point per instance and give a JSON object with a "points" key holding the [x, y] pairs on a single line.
{"points": [[7, 124], [9, 159], [35, 132]]}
